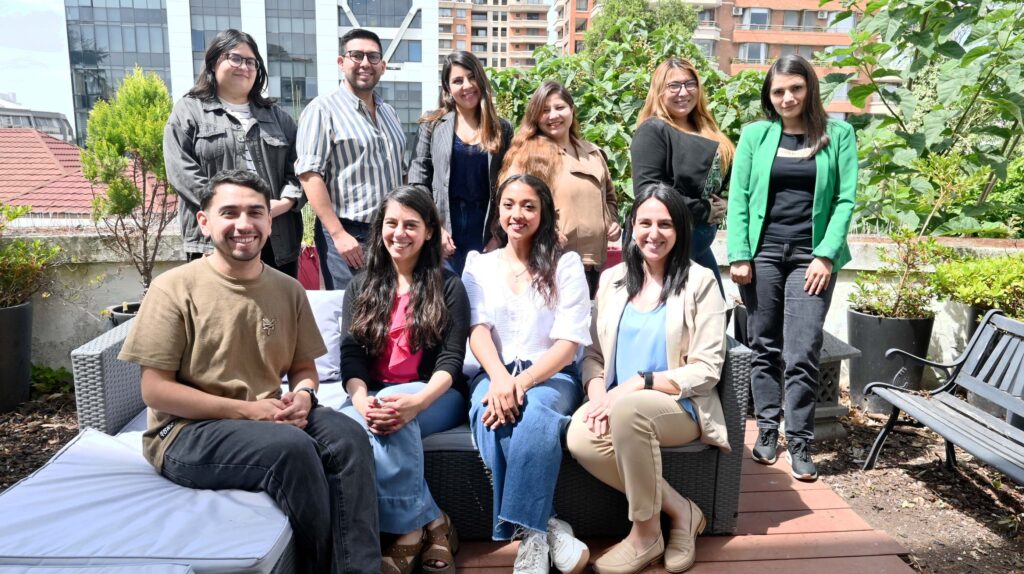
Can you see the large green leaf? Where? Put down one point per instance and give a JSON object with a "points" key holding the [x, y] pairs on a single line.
{"points": [[858, 94]]}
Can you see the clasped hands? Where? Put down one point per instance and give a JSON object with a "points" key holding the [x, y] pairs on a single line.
{"points": [[600, 403], [291, 409], [390, 413], [504, 399]]}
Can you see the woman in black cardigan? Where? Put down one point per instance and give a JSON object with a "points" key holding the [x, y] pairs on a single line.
{"points": [[405, 320], [678, 143]]}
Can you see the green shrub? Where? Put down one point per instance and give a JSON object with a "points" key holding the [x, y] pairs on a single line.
{"points": [[47, 381], [24, 264], [989, 283]]}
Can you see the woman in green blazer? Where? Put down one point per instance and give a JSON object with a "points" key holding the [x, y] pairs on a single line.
{"points": [[794, 185]]}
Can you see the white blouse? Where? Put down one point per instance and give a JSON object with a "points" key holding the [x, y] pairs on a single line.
{"points": [[522, 326]]}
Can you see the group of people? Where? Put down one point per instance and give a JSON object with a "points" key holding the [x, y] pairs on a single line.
{"points": [[497, 239]]}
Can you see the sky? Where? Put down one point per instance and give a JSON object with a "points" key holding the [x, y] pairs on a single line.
{"points": [[34, 55]]}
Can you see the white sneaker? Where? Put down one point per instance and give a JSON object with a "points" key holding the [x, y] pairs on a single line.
{"points": [[532, 557], [568, 553]]}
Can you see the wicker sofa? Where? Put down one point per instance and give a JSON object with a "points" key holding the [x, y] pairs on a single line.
{"points": [[109, 400]]}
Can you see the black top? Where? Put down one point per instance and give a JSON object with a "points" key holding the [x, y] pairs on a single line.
{"points": [[791, 192], [447, 356], [662, 154], [469, 180]]}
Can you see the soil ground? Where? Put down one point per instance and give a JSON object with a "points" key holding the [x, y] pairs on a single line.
{"points": [[967, 521]]}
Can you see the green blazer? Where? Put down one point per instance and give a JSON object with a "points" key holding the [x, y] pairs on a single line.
{"points": [[835, 191]]}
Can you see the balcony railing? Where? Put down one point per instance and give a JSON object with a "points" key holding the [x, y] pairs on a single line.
{"points": [[785, 28], [708, 24]]}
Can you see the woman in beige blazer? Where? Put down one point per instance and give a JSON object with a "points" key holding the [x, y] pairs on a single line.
{"points": [[650, 374]]}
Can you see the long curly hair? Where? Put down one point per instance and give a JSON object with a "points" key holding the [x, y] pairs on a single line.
{"points": [[545, 251], [427, 316], [490, 124], [532, 152], [700, 116]]}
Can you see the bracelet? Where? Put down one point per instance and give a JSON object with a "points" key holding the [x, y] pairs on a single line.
{"points": [[533, 380]]}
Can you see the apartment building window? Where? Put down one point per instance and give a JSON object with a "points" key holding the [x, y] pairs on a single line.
{"points": [[494, 31], [581, 25], [477, 48], [480, 32], [208, 19], [444, 12], [407, 50], [811, 23], [460, 28], [407, 99], [791, 20], [494, 47], [503, 63], [460, 12], [382, 13], [582, 5], [504, 16], [707, 47], [504, 32], [843, 26], [444, 44], [460, 44], [806, 51], [479, 16], [291, 53], [534, 15], [756, 18], [754, 52], [579, 47], [480, 1], [494, 16], [841, 93], [706, 16], [504, 47], [444, 28]]}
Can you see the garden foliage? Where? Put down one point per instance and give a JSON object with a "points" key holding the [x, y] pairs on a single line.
{"points": [[24, 263]]}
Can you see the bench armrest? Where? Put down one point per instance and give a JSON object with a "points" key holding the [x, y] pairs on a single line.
{"points": [[107, 390]]}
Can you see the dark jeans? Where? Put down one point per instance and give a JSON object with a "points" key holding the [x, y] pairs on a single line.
{"points": [[784, 329], [467, 220], [700, 250], [336, 272], [322, 478]]}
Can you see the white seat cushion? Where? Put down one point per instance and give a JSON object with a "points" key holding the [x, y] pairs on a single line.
{"points": [[129, 569], [98, 502]]}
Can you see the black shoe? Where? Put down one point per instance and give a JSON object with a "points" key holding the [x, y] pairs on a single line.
{"points": [[766, 449], [798, 453]]}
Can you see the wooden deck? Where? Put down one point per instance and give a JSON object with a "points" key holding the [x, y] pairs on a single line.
{"points": [[784, 526]]}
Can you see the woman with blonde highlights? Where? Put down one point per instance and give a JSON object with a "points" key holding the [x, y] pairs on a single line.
{"points": [[548, 146], [678, 143]]}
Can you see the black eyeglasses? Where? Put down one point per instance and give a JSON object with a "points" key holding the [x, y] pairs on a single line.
{"points": [[358, 55], [676, 87], [237, 61]]}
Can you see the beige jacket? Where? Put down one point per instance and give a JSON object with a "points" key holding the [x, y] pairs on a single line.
{"points": [[695, 340], [585, 202]]}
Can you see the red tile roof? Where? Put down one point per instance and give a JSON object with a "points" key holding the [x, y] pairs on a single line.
{"points": [[42, 171]]}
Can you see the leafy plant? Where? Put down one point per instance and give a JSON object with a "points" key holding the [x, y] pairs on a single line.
{"points": [[986, 283], [24, 264], [949, 76], [125, 155], [609, 86], [47, 381]]}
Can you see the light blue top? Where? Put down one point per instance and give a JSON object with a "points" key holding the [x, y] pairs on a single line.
{"points": [[641, 347]]}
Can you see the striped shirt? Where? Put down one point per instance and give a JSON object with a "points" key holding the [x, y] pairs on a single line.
{"points": [[360, 159]]}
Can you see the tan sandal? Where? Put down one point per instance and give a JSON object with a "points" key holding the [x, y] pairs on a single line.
{"points": [[442, 542], [401, 558]]}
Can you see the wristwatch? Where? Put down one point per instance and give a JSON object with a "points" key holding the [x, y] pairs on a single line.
{"points": [[314, 402], [648, 379]]}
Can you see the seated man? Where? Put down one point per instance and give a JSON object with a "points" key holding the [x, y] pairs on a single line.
{"points": [[213, 338]]}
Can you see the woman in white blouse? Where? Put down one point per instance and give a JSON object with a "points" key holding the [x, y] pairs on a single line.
{"points": [[530, 311]]}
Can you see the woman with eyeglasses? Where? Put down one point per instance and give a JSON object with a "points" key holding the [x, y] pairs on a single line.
{"points": [[459, 150], [225, 122], [678, 143], [548, 146]]}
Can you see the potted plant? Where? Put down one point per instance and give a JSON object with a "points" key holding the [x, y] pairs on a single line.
{"points": [[983, 284], [124, 159], [23, 272]]}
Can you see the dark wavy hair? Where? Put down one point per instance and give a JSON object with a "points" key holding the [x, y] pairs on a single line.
{"points": [[814, 115], [427, 316], [240, 177], [490, 125], [545, 251], [677, 265], [206, 84]]}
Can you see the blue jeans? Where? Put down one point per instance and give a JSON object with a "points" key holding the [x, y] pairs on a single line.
{"points": [[524, 457], [785, 332], [335, 271], [700, 250], [404, 501], [467, 219]]}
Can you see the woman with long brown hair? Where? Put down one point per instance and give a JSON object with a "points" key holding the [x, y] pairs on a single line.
{"points": [[678, 143], [405, 320], [548, 146], [459, 151]]}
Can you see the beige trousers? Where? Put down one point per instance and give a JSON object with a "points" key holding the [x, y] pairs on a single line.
{"points": [[628, 456]]}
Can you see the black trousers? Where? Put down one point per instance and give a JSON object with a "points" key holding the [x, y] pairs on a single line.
{"points": [[322, 478]]}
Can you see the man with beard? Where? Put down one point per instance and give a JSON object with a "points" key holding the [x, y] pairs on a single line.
{"points": [[349, 149], [213, 338]]}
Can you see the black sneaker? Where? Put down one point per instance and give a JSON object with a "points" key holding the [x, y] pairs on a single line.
{"points": [[766, 449], [798, 453]]}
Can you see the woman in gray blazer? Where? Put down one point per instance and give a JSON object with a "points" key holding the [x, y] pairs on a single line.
{"points": [[459, 151]]}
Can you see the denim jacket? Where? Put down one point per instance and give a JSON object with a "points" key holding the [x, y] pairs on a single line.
{"points": [[201, 139]]}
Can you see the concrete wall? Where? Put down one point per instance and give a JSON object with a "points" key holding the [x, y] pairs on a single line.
{"points": [[70, 315]]}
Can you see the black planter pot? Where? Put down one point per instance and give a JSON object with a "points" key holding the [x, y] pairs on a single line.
{"points": [[874, 336], [15, 355], [121, 313]]}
